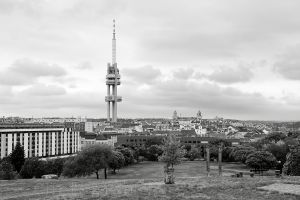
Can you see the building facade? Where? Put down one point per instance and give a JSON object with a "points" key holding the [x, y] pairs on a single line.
{"points": [[140, 140], [39, 140]]}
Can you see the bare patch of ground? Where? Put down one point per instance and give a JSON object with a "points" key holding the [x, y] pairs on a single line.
{"points": [[285, 188]]}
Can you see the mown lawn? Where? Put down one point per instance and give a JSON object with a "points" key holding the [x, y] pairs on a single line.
{"points": [[144, 181]]}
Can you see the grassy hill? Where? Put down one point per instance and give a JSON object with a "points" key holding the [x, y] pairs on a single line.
{"points": [[145, 181]]}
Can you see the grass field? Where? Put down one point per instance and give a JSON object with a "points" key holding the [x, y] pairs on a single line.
{"points": [[145, 181]]}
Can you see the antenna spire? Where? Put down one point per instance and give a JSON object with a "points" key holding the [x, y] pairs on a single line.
{"points": [[114, 43], [114, 29]]}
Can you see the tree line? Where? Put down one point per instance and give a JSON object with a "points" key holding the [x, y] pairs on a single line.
{"points": [[276, 150]]}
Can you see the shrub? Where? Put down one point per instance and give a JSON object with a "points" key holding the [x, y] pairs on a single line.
{"points": [[33, 167], [6, 171], [54, 166], [261, 160]]}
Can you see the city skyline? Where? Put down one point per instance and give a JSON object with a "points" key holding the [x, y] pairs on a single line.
{"points": [[233, 59]]}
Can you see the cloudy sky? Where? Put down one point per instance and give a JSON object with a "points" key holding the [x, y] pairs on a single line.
{"points": [[234, 59]]}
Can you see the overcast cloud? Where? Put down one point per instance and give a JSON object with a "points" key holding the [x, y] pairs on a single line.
{"points": [[235, 59]]}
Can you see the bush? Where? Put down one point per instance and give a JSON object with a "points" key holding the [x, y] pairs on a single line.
{"points": [[6, 171], [261, 160], [33, 167], [71, 169], [54, 166]]}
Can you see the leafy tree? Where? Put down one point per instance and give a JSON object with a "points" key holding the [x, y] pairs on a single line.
{"points": [[292, 165], [6, 170], [154, 151], [187, 147], [142, 151], [71, 168], [226, 154], [279, 150], [128, 155], [90, 160], [274, 137], [17, 157], [217, 142], [154, 141], [290, 141], [33, 167], [55, 166], [240, 153], [172, 151], [261, 160], [193, 154], [117, 161]]}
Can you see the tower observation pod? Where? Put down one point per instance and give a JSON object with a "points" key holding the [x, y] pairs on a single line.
{"points": [[112, 82]]}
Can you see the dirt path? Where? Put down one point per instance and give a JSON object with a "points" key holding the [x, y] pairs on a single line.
{"points": [[283, 188]]}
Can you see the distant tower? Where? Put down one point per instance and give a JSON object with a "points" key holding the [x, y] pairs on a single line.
{"points": [[175, 117], [112, 81]]}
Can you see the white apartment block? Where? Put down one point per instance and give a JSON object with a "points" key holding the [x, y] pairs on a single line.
{"points": [[39, 140]]}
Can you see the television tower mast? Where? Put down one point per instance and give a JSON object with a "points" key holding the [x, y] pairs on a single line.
{"points": [[112, 81]]}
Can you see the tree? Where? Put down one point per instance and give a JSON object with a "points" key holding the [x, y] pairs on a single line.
{"points": [[153, 152], [90, 160], [6, 170], [187, 147], [240, 153], [128, 155], [274, 137], [292, 165], [55, 166], [172, 155], [17, 157], [117, 161], [154, 141], [193, 154], [172, 151], [279, 150], [33, 167], [261, 160], [217, 142], [226, 154]]}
